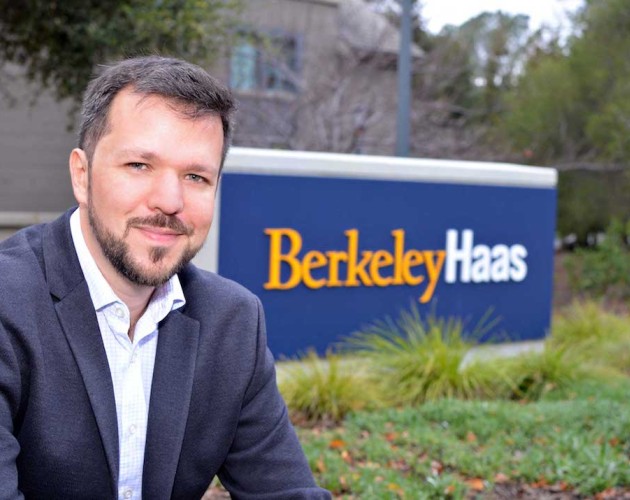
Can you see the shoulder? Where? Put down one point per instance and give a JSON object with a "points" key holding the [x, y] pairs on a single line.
{"points": [[207, 290], [22, 278], [21, 255]]}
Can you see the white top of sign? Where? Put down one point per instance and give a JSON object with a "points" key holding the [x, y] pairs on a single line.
{"points": [[306, 164]]}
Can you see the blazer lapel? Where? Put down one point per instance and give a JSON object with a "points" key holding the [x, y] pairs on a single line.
{"points": [[79, 323], [171, 390], [78, 320]]}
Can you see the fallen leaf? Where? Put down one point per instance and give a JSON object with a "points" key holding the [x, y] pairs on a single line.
{"points": [[449, 490], [346, 457], [501, 478], [394, 487], [614, 441], [399, 464], [606, 494], [476, 484], [471, 437], [541, 483], [436, 468], [336, 444], [390, 436], [321, 466]]}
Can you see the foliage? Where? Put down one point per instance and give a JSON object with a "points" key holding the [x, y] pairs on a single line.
{"points": [[446, 449], [417, 360], [535, 374], [544, 117], [573, 104], [60, 43], [604, 270], [588, 201], [572, 436], [472, 64], [602, 338], [497, 41], [325, 390]]}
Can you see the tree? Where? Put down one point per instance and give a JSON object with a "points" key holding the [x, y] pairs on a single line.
{"points": [[572, 104], [59, 43]]}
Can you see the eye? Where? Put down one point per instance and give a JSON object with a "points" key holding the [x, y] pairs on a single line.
{"points": [[136, 165], [196, 178]]}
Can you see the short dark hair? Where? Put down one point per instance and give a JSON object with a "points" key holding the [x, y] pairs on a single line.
{"points": [[186, 84]]}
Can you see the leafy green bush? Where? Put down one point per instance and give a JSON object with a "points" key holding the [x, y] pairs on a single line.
{"points": [[325, 390], [603, 271], [416, 360], [588, 201]]}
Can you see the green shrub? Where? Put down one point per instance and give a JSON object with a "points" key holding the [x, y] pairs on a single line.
{"points": [[602, 338], [535, 374], [325, 390], [586, 322], [416, 360], [588, 200], [603, 271]]}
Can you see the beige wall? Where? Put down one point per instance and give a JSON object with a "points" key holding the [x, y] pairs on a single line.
{"points": [[34, 149]]}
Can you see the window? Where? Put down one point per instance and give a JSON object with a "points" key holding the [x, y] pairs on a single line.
{"points": [[265, 63]]}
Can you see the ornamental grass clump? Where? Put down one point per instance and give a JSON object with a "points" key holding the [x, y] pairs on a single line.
{"points": [[533, 375], [417, 359], [325, 390], [600, 338]]}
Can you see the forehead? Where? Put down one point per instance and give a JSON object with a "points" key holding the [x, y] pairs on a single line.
{"points": [[162, 126], [131, 102], [132, 113]]}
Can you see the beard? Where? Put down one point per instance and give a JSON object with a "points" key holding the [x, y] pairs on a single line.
{"points": [[117, 251]]}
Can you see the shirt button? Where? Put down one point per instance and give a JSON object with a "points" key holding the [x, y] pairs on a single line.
{"points": [[128, 494], [132, 429], [119, 312]]}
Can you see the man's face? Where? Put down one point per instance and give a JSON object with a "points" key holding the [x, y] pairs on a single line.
{"points": [[151, 188]]}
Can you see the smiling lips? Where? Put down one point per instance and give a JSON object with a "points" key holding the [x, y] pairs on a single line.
{"points": [[160, 235]]}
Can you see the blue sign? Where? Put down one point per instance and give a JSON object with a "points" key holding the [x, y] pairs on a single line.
{"points": [[328, 256]]}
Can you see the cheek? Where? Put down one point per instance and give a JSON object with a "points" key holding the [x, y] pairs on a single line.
{"points": [[201, 211]]}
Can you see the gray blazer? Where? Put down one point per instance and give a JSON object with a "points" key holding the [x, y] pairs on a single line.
{"points": [[214, 407]]}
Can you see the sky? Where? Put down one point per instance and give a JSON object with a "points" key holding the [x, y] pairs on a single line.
{"points": [[437, 13]]}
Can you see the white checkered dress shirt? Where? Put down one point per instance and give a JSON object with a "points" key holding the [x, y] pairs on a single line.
{"points": [[130, 363]]}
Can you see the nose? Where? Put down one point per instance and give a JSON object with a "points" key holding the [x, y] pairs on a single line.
{"points": [[166, 194]]}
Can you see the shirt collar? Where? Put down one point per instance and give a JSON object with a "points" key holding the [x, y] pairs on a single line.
{"points": [[169, 296]]}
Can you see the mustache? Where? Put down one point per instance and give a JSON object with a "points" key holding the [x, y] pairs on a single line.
{"points": [[162, 221]]}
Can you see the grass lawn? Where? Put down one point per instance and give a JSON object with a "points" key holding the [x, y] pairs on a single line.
{"points": [[573, 443]]}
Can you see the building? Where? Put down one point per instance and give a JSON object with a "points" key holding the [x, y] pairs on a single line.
{"points": [[309, 75]]}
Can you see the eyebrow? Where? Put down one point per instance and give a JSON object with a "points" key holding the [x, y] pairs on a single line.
{"points": [[144, 154], [151, 156]]}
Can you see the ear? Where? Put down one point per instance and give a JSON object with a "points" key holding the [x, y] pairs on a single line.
{"points": [[79, 175]]}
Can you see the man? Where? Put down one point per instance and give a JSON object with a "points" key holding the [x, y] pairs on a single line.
{"points": [[125, 372]]}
